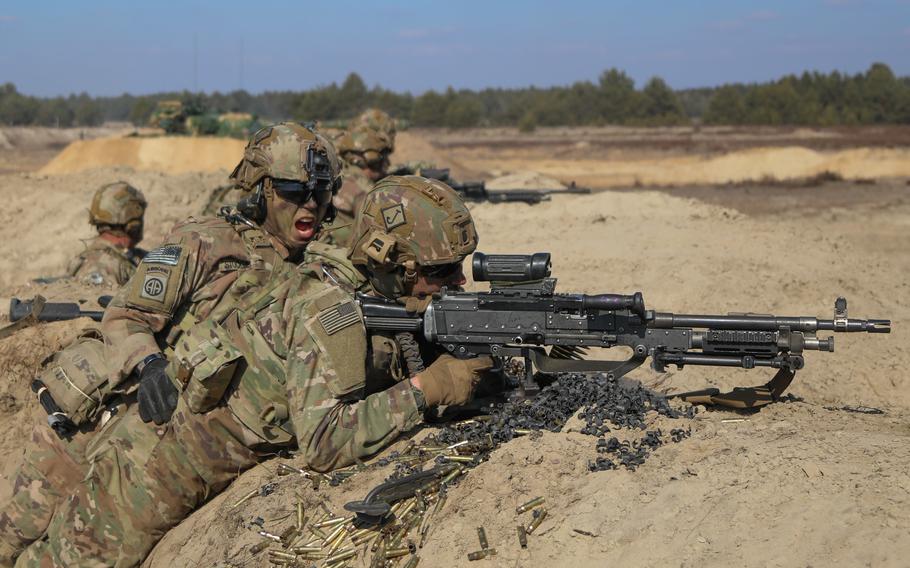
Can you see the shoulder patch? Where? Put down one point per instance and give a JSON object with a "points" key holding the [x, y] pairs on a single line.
{"points": [[168, 254], [393, 216], [338, 317]]}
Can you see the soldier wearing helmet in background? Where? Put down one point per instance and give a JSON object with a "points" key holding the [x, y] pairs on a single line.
{"points": [[379, 121], [365, 152], [287, 368], [205, 269], [117, 213]]}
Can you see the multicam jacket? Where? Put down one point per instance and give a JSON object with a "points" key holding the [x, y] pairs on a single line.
{"points": [[181, 282], [102, 262]]}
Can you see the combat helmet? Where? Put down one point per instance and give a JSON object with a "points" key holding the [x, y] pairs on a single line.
{"points": [[287, 151], [365, 147], [379, 121], [406, 222], [118, 206]]}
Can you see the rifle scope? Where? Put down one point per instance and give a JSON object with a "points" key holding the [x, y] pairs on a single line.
{"points": [[510, 267]]}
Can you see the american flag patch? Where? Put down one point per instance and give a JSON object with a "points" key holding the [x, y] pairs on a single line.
{"points": [[168, 254], [339, 317]]}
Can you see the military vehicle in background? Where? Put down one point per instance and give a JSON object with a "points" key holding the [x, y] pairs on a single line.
{"points": [[174, 117]]}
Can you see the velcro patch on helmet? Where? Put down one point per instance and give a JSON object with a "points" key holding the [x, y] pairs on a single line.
{"points": [[168, 254], [393, 216], [338, 317]]}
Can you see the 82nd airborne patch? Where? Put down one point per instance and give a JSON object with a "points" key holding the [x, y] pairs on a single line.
{"points": [[393, 216], [154, 286]]}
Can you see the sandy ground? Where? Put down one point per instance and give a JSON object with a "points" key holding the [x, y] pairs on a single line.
{"points": [[801, 483]]}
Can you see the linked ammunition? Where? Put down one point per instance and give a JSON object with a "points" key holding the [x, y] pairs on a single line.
{"points": [[530, 505], [341, 555], [482, 535], [412, 562], [480, 554], [537, 520], [397, 552], [522, 536], [245, 498]]}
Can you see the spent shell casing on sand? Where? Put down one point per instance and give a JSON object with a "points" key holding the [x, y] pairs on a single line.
{"points": [[397, 552], [481, 554], [537, 520], [522, 536], [260, 546], [530, 505], [482, 536], [341, 555]]}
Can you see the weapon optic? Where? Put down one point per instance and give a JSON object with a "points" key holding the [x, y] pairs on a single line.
{"points": [[522, 316]]}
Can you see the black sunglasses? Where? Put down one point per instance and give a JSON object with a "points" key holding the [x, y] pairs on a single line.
{"points": [[301, 193], [441, 271]]}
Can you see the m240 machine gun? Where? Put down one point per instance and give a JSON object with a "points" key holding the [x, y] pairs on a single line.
{"points": [[523, 317], [477, 190]]}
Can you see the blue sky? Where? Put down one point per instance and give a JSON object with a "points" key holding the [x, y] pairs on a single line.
{"points": [[107, 47]]}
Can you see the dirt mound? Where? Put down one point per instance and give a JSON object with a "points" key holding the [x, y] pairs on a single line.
{"points": [[756, 164], [524, 180], [45, 217], [170, 154]]}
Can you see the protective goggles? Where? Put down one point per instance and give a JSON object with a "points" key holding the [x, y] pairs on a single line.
{"points": [[441, 271], [301, 192]]}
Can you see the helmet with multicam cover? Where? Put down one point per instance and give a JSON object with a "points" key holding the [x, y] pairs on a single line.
{"points": [[379, 121], [291, 155], [289, 151], [118, 206], [365, 148], [407, 222]]}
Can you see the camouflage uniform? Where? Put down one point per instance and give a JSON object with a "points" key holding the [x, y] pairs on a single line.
{"points": [[283, 367], [103, 262], [176, 285], [117, 208]]}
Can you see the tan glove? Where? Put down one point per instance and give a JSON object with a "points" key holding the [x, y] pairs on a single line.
{"points": [[452, 381]]}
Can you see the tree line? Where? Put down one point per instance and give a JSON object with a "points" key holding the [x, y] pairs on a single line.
{"points": [[875, 96]]}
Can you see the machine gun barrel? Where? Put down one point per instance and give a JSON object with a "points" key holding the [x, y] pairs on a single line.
{"points": [[750, 322]]}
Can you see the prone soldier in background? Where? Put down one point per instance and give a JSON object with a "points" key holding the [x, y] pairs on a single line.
{"points": [[365, 153], [287, 366], [111, 258]]}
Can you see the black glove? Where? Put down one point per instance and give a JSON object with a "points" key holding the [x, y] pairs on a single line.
{"points": [[157, 394]]}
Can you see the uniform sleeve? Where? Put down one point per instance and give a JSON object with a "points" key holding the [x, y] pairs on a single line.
{"points": [[332, 430], [163, 282]]}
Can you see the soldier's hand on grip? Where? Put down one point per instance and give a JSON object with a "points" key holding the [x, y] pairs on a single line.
{"points": [[157, 395], [452, 381]]}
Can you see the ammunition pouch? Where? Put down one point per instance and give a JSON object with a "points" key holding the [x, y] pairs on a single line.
{"points": [[204, 363], [78, 380]]}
